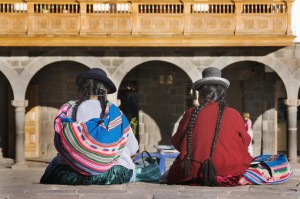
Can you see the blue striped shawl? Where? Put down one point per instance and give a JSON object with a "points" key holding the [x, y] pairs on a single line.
{"points": [[91, 148]]}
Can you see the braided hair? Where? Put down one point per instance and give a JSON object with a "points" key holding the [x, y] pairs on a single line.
{"points": [[87, 88], [207, 93]]}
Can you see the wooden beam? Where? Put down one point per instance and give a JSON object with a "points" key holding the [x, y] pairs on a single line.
{"points": [[204, 41]]}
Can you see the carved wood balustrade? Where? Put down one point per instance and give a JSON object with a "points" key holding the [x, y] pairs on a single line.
{"points": [[185, 19]]}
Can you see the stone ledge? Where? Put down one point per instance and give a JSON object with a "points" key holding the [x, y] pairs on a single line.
{"points": [[6, 162], [19, 166]]}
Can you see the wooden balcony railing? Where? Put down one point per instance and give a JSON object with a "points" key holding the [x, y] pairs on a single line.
{"points": [[145, 18]]}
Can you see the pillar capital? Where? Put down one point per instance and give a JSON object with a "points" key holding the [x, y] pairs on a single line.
{"points": [[292, 102], [19, 103]]}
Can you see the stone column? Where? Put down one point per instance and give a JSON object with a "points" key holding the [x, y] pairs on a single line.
{"points": [[292, 128], [20, 106]]}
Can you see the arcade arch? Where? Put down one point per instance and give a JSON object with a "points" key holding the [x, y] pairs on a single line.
{"points": [[7, 125], [41, 62], [50, 88], [257, 89], [157, 94], [118, 67], [275, 65]]}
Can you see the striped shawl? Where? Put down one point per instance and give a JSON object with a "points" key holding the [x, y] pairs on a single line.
{"points": [[91, 148], [267, 169]]}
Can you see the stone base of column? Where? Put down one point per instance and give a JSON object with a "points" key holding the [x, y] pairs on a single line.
{"points": [[296, 168], [20, 166], [6, 162], [294, 159]]}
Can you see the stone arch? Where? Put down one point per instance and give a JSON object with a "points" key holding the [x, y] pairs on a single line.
{"points": [[285, 75], [153, 96], [131, 63], [11, 75], [48, 89], [41, 62], [259, 91], [7, 125]]}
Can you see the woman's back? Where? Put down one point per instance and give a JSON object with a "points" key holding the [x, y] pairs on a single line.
{"points": [[230, 156], [213, 142]]}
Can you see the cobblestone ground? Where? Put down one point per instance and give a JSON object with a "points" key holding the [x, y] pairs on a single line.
{"points": [[24, 184]]}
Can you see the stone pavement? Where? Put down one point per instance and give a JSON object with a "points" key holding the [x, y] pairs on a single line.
{"points": [[24, 184]]}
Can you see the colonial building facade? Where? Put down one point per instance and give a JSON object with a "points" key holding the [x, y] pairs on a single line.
{"points": [[153, 52]]}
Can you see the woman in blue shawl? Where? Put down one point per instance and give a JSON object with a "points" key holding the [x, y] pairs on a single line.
{"points": [[92, 136]]}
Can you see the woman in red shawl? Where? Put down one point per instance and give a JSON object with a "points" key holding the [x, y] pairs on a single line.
{"points": [[212, 140]]}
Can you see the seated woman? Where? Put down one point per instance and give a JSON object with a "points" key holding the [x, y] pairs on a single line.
{"points": [[92, 136], [213, 142]]}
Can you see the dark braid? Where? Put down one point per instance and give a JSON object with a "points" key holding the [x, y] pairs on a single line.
{"points": [[82, 98], [88, 88], [207, 167], [218, 126], [187, 161], [207, 93], [102, 100]]}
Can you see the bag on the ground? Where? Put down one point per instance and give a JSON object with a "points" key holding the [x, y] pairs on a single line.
{"points": [[147, 170], [268, 169]]}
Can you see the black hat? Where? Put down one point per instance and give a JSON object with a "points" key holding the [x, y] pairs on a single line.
{"points": [[97, 74], [211, 75]]}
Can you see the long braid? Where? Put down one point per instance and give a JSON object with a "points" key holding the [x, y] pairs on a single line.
{"points": [[78, 102], [102, 100], [209, 93], [207, 167], [88, 88], [218, 126], [189, 130]]}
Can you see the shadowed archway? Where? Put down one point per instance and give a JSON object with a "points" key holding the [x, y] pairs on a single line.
{"points": [[257, 89], [160, 92], [7, 119], [48, 90]]}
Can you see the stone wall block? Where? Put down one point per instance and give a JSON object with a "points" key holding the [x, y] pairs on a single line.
{"points": [[144, 138], [150, 148], [155, 137], [105, 62], [150, 128], [141, 147], [141, 128], [141, 116], [117, 62]]}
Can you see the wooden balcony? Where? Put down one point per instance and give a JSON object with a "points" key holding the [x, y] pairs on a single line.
{"points": [[145, 23]]}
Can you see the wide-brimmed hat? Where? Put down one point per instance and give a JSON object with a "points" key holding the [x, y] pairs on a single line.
{"points": [[211, 75], [97, 74]]}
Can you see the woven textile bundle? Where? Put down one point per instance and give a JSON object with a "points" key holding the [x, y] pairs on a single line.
{"points": [[92, 147], [267, 169]]}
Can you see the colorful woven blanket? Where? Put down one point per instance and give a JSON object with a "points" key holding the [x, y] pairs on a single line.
{"points": [[267, 169], [91, 148]]}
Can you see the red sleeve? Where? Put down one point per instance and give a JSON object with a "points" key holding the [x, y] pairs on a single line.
{"points": [[178, 137]]}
